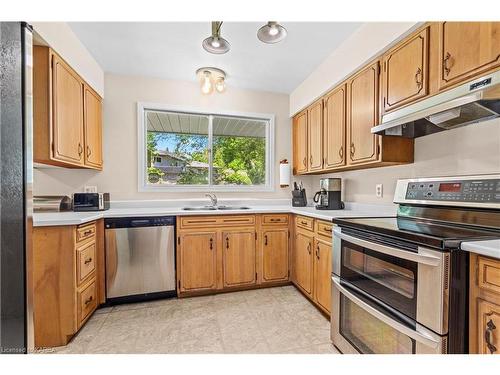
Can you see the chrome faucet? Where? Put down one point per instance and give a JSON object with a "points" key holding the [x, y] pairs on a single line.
{"points": [[213, 199]]}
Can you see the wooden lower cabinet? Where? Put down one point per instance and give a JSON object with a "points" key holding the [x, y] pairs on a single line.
{"points": [[230, 252], [67, 278], [323, 273], [484, 314], [302, 264], [197, 261]]}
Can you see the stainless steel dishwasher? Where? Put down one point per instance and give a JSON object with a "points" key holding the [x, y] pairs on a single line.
{"points": [[140, 258]]}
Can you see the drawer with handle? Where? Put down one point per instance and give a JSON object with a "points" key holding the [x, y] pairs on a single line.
{"points": [[203, 221], [85, 232], [87, 302], [304, 222], [85, 262], [275, 219], [324, 228]]}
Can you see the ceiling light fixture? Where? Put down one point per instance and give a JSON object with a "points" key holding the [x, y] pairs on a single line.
{"points": [[216, 44], [211, 78], [271, 33]]}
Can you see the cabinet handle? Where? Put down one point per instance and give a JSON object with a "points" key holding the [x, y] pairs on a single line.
{"points": [[341, 152], [353, 149], [89, 151], [317, 251], [309, 248], [488, 336], [90, 299], [446, 68], [87, 232], [211, 243], [87, 261], [227, 242], [265, 240], [80, 149], [303, 222], [311, 160], [418, 78], [304, 161]]}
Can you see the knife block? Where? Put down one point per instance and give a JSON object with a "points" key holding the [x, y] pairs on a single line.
{"points": [[299, 198]]}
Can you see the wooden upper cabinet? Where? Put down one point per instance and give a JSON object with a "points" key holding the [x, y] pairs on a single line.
{"points": [[67, 113], [198, 261], [303, 266], [275, 255], [405, 72], [92, 128], [300, 159], [323, 273], [363, 114], [238, 259], [334, 122], [467, 49], [315, 136]]}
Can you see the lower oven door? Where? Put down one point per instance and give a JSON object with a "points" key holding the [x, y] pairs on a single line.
{"points": [[361, 326]]}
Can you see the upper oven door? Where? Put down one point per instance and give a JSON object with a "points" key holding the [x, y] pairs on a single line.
{"points": [[411, 281]]}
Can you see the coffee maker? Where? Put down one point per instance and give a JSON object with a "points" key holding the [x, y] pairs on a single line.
{"points": [[328, 197]]}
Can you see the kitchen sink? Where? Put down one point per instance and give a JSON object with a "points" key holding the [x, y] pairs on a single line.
{"points": [[233, 208], [205, 208], [211, 208]]}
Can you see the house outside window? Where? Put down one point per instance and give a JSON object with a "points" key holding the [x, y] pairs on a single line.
{"points": [[199, 151]]}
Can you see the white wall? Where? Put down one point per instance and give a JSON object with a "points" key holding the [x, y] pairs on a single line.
{"points": [[60, 37], [473, 149], [119, 176], [363, 45]]}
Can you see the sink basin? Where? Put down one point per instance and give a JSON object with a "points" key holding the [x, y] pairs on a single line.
{"points": [[233, 208], [205, 208]]}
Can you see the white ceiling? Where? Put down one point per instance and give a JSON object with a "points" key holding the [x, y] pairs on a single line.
{"points": [[173, 50]]}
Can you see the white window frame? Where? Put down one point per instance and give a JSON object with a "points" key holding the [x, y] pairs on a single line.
{"points": [[143, 185]]}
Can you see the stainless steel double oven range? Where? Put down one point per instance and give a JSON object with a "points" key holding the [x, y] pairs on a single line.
{"points": [[400, 284]]}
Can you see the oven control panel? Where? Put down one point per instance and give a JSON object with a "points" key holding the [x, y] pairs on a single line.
{"points": [[480, 190]]}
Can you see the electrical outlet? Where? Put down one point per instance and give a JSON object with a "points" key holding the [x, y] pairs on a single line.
{"points": [[379, 190], [90, 189]]}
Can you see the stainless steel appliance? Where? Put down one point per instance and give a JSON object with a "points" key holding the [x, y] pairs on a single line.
{"points": [[140, 258], [90, 201], [329, 195], [469, 103], [16, 182], [399, 285], [52, 203]]}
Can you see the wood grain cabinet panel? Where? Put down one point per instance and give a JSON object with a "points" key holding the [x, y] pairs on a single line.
{"points": [[362, 115], [85, 262], [68, 135], [275, 255], [87, 302], [300, 143], [405, 72], [92, 128], [239, 258], [303, 261], [323, 274], [315, 136], [198, 256], [466, 50], [488, 330], [334, 125]]}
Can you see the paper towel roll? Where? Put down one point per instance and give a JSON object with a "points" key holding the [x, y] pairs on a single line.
{"points": [[284, 174]]}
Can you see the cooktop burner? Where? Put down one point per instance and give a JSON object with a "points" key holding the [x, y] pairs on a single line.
{"points": [[435, 234]]}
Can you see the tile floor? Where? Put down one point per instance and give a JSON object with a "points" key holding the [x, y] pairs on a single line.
{"points": [[271, 320]]}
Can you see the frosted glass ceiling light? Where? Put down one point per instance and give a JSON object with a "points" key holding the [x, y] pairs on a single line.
{"points": [[215, 43], [211, 78], [271, 33]]}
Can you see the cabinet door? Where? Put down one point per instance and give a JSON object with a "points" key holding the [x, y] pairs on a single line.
{"points": [[334, 117], [275, 255], [303, 266], [315, 127], [362, 115], [67, 99], [239, 258], [467, 49], [197, 261], [405, 77], [323, 274], [93, 128], [300, 143], [488, 327]]}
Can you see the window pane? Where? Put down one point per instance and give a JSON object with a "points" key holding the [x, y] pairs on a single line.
{"points": [[177, 149], [239, 151]]}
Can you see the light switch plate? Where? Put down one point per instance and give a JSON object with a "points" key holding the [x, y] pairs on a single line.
{"points": [[90, 189], [379, 190]]}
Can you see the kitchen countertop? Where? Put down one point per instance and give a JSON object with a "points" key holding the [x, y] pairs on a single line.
{"points": [[77, 218], [489, 248]]}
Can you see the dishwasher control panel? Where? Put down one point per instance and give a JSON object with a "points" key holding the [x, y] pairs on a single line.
{"points": [[137, 222]]}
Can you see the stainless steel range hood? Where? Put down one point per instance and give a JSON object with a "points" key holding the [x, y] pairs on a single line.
{"points": [[470, 103]]}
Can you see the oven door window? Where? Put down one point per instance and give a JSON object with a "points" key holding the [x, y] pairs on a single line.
{"points": [[370, 335], [387, 278]]}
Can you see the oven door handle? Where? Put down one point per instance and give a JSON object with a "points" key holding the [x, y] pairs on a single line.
{"points": [[428, 259], [422, 335]]}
